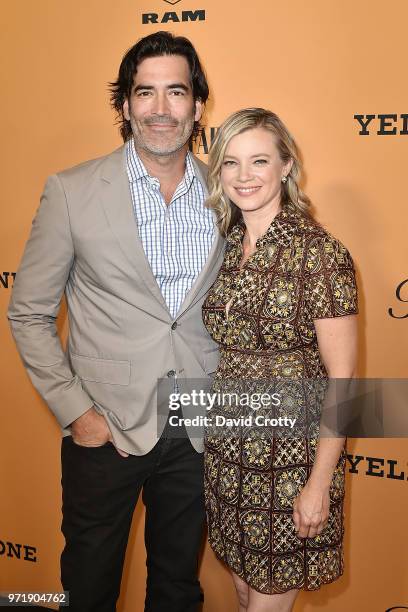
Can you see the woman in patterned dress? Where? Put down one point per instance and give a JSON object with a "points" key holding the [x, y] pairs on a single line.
{"points": [[283, 307]]}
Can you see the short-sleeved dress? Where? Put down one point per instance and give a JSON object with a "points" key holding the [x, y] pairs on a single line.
{"points": [[298, 273]]}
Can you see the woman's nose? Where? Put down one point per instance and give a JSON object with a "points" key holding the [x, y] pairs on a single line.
{"points": [[244, 173]]}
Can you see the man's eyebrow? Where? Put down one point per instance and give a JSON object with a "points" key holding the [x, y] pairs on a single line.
{"points": [[178, 86], [151, 87], [141, 86]]}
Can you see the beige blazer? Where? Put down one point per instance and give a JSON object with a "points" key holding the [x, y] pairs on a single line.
{"points": [[122, 339]]}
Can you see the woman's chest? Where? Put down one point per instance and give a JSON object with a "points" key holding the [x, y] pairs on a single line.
{"points": [[261, 305], [269, 283]]}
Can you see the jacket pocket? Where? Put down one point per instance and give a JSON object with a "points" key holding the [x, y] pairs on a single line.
{"points": [[211, 359], [98, 370]]}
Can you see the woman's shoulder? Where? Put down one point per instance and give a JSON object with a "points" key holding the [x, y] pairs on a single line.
{"points": [[314, 231], [320, 242]]}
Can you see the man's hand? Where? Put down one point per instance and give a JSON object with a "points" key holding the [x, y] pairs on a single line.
{"points": [[91, 429]]}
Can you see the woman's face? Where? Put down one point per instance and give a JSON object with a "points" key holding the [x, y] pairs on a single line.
{"points": [[252, 170]]}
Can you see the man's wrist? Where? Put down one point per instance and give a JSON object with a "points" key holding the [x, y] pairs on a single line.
{"points": [[83, 416]]}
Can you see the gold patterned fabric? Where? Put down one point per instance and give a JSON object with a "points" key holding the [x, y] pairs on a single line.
{"points": [[298, 273]]}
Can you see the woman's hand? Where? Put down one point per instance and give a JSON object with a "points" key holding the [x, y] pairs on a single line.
{"points": [[311, 510]]}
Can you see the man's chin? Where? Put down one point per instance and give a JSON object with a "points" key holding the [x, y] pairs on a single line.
{"points": [[162, 151]]}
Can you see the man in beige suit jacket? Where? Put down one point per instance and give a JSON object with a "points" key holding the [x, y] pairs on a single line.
{"points": [[88, 241]]}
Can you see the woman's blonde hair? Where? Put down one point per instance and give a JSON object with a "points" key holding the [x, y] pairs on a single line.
{"points": [[241, 121]]}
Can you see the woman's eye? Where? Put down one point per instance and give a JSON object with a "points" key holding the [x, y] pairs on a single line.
{"points": [[228, 162], [261, 161]]}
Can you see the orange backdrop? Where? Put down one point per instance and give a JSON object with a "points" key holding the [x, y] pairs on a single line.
{"points": [[316, 64]]}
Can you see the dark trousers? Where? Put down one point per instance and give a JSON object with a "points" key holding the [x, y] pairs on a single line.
{"points": [[100, 491]]}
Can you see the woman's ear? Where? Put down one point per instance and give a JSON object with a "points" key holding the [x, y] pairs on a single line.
{"points": [[287, 167]]}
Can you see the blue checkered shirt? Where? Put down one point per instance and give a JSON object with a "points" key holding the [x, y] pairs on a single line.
{"points": [[176, 238]]}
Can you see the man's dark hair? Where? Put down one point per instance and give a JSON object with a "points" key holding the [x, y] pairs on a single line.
{"points": [[155, 45]]}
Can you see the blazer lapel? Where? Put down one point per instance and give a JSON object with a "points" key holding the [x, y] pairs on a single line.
{"points": [[207, 275], [117, 203]]}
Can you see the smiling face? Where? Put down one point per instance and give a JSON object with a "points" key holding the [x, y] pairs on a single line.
{"points": [[252, 171], [161, 108]]}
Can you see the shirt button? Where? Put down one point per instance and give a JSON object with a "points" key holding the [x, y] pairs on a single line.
{"points": [[174, 325], [171, 373]]}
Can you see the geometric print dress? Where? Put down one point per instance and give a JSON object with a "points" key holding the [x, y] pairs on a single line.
{"points": [[298, 273]]}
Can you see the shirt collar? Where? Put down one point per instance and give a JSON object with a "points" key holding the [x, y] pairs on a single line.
{"points": [[282, 229], [136, 169], [190, 173]]}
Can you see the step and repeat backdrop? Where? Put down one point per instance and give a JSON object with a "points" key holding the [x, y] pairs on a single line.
{"points": [[335, 72]]}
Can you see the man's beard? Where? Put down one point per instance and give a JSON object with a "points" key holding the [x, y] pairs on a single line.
{"points": [[163, 144]]}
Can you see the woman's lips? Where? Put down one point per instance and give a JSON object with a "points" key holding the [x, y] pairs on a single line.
{"points": [[246, 191]]}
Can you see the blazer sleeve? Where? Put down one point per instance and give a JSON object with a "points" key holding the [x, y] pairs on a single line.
{"points": [[35, 302]]}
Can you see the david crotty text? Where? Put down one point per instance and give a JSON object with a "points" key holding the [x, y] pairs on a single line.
{"points": [[218, 420]]}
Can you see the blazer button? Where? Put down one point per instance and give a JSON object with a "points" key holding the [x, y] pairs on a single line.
{"points": [[174, 325], [171, 373]]}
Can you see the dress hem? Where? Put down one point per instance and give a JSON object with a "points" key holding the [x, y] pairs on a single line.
{"points": [[273, 591]]}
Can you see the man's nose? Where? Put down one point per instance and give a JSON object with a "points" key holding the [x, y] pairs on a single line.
{"points": [[161, 106]]}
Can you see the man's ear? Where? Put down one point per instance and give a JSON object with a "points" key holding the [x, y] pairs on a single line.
{"points": [[125, 109], [199, 109]]}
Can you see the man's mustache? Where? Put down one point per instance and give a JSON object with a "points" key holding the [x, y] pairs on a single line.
{"points": [[160, 119]]}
